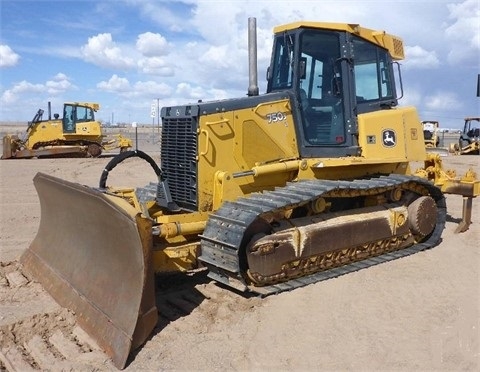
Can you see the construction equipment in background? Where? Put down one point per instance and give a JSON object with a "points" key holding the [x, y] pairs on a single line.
{"points": [[269, 192], [469, 141], [77, 134], [430, 133]]}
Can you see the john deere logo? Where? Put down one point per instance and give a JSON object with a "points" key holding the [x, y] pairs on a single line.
{"points": [[389, 138]]}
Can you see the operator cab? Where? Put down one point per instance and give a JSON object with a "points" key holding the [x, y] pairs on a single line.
{"points": [[73, 114], [333, 76], [471, 128]]}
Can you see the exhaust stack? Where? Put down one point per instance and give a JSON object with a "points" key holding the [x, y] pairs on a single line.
{"points": [[252, 57]]}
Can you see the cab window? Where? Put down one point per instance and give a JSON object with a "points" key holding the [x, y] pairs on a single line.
{"points": [[373, 79], [282, 74], [84, 114]]}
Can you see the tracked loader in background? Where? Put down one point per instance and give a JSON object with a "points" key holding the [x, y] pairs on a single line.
{"points": [[76, 134], [469, 141], [269, 192]]}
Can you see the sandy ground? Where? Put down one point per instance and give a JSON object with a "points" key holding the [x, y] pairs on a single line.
{"points": [[420, 312]]}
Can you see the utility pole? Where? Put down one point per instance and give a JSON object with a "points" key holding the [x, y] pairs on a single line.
{"points": [[158, 115], [478, 85], [153, 113]]}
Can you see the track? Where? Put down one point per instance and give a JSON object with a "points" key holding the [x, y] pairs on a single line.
{"points": [[222, 240], [51, 339], [46, 340]]}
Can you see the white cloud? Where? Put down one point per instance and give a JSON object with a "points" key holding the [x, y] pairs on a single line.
{"points": [[442, 101], [464, 32], [161, 14], [417, 57], [218, 94], [12, 95], [217, 56], [186, 90], [412, 97], [187, 93], [115, 84], [124, 88], [152, 45], [151, 88], [8, 57], [155, 66], [58, 85], [102, 51]]}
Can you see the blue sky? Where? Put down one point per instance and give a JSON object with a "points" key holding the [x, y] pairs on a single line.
{"points": [[127, 54]]}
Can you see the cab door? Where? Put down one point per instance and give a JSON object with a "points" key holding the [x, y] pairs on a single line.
{"points": [[68, 121]]}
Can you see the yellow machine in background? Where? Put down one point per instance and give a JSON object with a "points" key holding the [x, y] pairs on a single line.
{"points": [[76, 134], [268, 192], [469, 141], [430, 133]]}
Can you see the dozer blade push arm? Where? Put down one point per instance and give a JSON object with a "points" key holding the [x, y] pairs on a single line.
{"points": [[96, 261], [467, 186]]}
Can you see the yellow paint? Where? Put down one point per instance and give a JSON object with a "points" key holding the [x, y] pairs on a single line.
{"points": [[404, 123], [237, 141], [394, 44]]}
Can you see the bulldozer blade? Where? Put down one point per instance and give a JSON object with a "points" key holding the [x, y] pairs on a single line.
{"points": [[92, 253]]}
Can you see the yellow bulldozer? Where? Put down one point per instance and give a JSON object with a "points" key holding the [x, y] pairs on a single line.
{"points": [[268, 192], [76, 134]]}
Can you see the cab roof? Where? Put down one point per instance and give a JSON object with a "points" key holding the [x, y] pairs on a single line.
{"points": [[94, 106], [393, 43]]}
